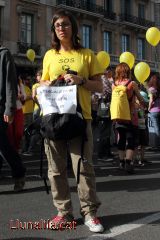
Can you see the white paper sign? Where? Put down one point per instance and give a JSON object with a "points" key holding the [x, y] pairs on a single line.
{"points": [[57, 99]]}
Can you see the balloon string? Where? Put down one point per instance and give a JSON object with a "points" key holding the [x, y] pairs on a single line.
{"points": [[156, 58]]}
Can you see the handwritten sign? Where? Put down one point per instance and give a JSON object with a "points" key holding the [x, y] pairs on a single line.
{"points": [[57, 99]]}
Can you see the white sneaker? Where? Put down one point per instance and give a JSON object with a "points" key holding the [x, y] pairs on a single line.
{"points": [[94, 225]]}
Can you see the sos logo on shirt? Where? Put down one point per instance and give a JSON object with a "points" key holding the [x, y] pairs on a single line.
{"points": [[66, 60]]}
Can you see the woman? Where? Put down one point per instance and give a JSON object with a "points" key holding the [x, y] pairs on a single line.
{"points": [[67, 53], [36, 111], [28, 114], [126, 128], [105, 124], [154, 104], [32, 130]]}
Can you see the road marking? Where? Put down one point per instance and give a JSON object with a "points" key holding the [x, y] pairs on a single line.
{"points": [[116, 231]]}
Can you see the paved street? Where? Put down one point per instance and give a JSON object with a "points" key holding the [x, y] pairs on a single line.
{"points": [[130, 204]]}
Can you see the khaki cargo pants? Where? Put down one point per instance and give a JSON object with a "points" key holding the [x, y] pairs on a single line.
{"points": [[56, 152]]}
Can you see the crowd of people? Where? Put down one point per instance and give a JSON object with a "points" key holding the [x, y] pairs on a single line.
{"points": [[130, 136], [20, 107]]}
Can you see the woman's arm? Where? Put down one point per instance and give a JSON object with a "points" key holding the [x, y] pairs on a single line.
{"points": [[34, 95], [22, 90], [151, 100], [138, 95], [94, 84]]}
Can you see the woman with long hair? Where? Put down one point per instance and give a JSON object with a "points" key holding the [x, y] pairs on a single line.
{"points": [[68, 53], [126, 128]]}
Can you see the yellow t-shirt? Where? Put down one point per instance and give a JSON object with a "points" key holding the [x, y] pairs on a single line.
{"points": [[35, 86], [28, 106], [83, 61]]}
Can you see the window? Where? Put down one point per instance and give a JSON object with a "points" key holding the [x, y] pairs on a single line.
{"points": [[86, 33], [88, 4], [141, 11], [107, 40], [125, 43], [108, 5], [26, 35], [126, 7], [141, 48], [157, 14], [91, 1]]}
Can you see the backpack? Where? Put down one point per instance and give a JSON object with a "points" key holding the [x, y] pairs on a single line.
{"points": [[119, 107], [64, 126]]}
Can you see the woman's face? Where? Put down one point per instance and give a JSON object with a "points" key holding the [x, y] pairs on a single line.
{"points": [[63, 29], [38, 77]]}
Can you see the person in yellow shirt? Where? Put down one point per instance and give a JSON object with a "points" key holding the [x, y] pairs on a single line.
{"points": [[33, 130], [37, 110], [28, 112], [68, 53], [28, 105]]}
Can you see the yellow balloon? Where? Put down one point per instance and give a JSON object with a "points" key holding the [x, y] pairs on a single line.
{"points": [[153, 36], [31, 54], [103, 59], [128, 58], [142, 71]]}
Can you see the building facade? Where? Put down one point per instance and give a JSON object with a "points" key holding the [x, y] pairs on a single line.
{"points": [[111, 25]]}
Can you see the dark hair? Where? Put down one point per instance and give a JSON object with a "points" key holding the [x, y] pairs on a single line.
{"points": [[154, 82], [109, 69], [75, 38], [39, 72], [122, 71]]}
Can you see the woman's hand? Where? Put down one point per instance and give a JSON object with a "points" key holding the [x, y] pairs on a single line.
{"points": [[8, 119], [73, 79], [20, 96]]}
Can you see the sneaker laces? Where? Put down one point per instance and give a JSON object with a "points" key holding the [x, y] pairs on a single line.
{"points": [[58, 219]]}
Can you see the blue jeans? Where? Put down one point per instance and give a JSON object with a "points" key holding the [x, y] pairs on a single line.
{"points": [[155, 117]]}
